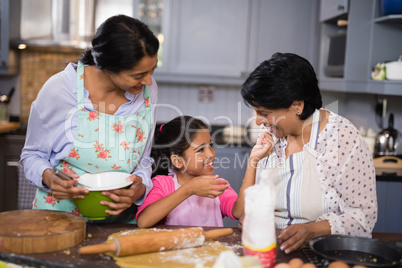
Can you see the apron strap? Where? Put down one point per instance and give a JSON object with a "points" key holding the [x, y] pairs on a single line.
{"points": [[315, 129], [80, 86]]}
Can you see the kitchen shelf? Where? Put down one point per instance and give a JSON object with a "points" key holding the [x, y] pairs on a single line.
{"points": [[368, 33], [389, 18], [370, 87], [167, 78], [385, 87], [342, 85]]}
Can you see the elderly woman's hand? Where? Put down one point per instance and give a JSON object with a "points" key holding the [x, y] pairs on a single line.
{"points": [[124, 198], [263, 147], [297, 236]]}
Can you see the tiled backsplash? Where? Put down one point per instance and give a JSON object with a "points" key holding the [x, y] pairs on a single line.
{"points": [[37, 66], [226, 107]]}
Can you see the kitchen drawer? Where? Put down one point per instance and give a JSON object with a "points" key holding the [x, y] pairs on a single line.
{"points": [[389, 198], [9, 157]]}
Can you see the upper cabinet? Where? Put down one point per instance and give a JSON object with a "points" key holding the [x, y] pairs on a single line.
{"points": [[221, 42], [209, 37], [283, 26], [8, 57], [331, 9], [371, 38]]}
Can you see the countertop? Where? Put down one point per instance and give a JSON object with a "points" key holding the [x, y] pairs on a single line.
{"points": [[9, 127], [98, 233]]}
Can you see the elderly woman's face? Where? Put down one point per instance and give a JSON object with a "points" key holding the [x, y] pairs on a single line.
{"points": [[279, 121]]}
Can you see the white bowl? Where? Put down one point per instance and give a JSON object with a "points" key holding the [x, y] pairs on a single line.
{"points": [[394, 70], [104, 181]]}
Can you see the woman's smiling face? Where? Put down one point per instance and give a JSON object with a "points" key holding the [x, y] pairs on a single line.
{"points": [[280, 122], [133, 80], [199, 158]]}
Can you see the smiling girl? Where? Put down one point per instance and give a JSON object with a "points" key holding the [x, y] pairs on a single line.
{"points": [[186, 191]]}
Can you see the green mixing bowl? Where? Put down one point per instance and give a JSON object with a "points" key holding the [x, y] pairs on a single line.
{"points": [[90, 206], [96, 183]]}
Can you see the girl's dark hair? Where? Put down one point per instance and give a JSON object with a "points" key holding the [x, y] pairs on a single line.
{"points": [[174, 137], [120, 43], [279, 81]]}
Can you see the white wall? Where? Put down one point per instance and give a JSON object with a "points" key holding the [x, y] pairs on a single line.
{"points": [[228, 105]]}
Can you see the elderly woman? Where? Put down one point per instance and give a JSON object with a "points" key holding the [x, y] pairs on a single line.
{"points": [[320, 164]]}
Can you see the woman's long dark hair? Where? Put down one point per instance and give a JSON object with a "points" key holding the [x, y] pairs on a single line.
{"points": [[174, 137], [120, 43]]}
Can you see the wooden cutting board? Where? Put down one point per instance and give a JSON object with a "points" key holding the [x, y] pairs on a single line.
{"points": [[39, 231]]}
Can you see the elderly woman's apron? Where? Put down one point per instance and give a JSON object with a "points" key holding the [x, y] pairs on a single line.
{"points": [[196, 211], [102, 143], [300, 198]]}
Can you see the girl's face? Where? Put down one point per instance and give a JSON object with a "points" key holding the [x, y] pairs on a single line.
{"points": [[133, 80], [281, 122], [200, 156]]}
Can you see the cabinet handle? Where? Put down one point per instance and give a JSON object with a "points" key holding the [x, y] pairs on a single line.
{"points": [[12, 163], [341, 7]]}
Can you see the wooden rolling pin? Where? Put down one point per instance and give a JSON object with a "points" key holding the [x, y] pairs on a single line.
{"points": [[158, 241]]}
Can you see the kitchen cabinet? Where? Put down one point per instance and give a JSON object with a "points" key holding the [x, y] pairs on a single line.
{"points": [[283, 26], [330, 9], [389, 200], [221, 42], [11, 146], [8, 57], [370, 38], [231, 164], [206, 40]]}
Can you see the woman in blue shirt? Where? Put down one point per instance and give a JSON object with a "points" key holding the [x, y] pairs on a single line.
{"points": [[96, 116]]}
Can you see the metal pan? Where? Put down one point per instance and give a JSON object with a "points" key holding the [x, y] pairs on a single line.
{"points": [[357, 250]]}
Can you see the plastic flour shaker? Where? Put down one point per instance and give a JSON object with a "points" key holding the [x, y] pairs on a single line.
{"points": [[258, 236]]}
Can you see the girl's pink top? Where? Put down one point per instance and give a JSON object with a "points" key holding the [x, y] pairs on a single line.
{"points": [[195, 210]]}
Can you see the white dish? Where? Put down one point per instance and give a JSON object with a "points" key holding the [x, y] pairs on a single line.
{"points": [[394, 70], [104, 181]]}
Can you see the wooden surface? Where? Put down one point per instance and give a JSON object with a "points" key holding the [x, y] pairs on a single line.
{"points": [[8, 127], [39, 231], [98, 233], [155, 242]]}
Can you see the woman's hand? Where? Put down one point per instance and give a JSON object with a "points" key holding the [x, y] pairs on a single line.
{"points": [[207, 186], [63, 189], [297, 236], [124, 198], [263, 148]]}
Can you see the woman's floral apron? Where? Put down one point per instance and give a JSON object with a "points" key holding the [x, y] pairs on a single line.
{"points": [[102, 143]]}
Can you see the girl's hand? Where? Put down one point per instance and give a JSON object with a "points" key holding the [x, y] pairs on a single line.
{"points": [[207, 186], [124, 198], [263, 148], [63, 189]]}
